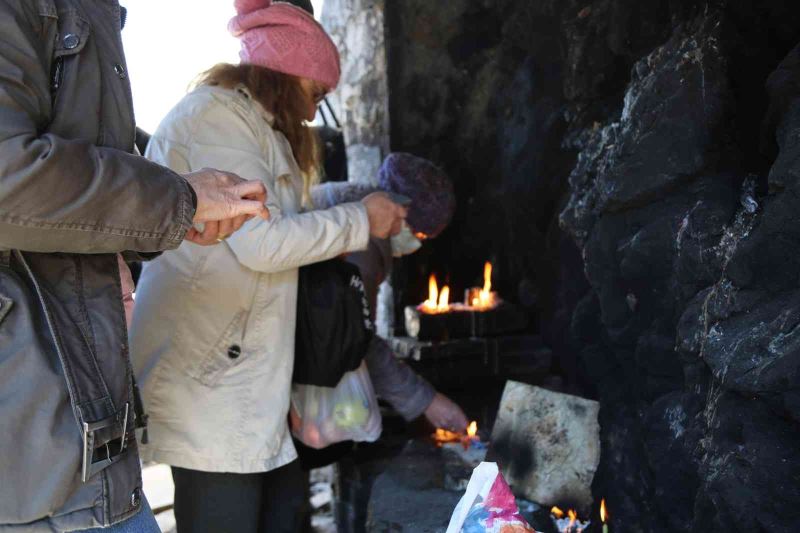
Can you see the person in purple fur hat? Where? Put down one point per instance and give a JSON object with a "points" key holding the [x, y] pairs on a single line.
{"points": [[425, 188], [428, 187], [430, 199]]}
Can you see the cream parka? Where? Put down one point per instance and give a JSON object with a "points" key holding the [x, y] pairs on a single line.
{"points": [[213, 332]]}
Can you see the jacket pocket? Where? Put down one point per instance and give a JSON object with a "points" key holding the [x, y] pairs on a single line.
{"points": [[224, 355]]}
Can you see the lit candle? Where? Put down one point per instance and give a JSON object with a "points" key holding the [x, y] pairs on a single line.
{"points": [[604, 515]]}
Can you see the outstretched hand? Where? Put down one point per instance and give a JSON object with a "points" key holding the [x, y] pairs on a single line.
{"points": [[385, 216], [445, 413], [224, 203]]}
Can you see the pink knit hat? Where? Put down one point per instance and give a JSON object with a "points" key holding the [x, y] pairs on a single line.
{"points": [[285, 38]]}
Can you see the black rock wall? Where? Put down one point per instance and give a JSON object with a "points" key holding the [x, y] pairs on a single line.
{"points": [[633, 170]]}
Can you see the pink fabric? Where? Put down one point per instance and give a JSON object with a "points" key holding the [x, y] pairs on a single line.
{"points": [[127, 288], [285, 38]]}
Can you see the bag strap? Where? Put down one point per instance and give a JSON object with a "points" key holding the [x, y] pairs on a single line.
{"points": [[327, 105], [330, 110], [322, 114]]}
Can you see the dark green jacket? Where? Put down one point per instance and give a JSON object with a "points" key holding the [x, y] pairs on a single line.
{"points": [[72, 195]]}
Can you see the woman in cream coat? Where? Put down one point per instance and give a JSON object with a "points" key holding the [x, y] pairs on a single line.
{"points": [[213, 330]]}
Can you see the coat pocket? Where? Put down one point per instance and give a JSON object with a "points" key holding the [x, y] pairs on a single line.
{"points": [[224, 355]]}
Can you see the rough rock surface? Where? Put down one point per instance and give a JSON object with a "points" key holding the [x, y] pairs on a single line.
{"points": [[547, 445], [409, 496], [633, 170]]}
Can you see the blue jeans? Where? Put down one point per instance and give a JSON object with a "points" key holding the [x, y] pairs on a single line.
{"points": [[141, 522]]}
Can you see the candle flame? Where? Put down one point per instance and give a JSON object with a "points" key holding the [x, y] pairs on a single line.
{"points": [[573, 517], [472, 429], [555, 511], [603, 512], [483, 299], [433, 294], [444, 299], [443, 436], [437, 302], [485, 295]]}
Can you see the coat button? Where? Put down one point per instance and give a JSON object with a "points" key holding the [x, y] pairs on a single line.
{"points": [[71, 41], [120, 70], [234, 351], [136, 497]]}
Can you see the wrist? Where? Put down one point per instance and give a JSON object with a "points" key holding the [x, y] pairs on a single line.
{"points": [[194, 195]]}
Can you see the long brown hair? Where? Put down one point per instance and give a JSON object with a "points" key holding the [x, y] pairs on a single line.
{"points": [[281, 95]]}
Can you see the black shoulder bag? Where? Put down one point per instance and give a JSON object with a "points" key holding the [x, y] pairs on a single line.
{"points": [[333, 323]]}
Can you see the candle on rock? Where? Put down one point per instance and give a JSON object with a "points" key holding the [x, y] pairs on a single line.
{"points": [[604, 515]]}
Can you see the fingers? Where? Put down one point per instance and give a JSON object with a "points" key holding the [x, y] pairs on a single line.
{"points": [[400, 215], [239, 221], [248, 207], [257, 192], [455, 415], [224, 229], [385, 216], [252, 195], [251, 189], [444, 413], [209, 233], [397, 226], [216, 232], [192, 234], [225, 201], [460, 419], [196, 238], [223, 195], [207, 237]]}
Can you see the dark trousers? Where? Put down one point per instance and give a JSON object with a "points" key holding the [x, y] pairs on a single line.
{"points": [[269, 502]]}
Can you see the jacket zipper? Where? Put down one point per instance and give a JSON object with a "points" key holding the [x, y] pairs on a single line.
{"points": [[56, 76]]}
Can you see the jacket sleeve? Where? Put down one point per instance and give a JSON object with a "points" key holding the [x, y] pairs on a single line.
{"points": [[224, 139], [394, 381], [62, 195], [334, 193]]}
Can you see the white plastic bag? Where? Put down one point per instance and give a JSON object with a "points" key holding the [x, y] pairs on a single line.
{"points": [[488, 506], [321, 416]]}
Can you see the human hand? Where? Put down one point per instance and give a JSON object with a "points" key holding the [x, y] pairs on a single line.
{"points": [[224, 203], [445, 413], [385, 216]]}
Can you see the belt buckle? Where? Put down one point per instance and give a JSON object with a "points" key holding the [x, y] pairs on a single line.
{"points": [[90, 466]]}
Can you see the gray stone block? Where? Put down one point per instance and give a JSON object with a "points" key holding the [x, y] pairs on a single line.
{"points": [[547, 445]]}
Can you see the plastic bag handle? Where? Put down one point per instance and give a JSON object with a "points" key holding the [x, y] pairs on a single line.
{"points": [[480, 484]]}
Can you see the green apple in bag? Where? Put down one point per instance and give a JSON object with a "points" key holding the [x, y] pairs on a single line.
{"points": [[350, 413]]}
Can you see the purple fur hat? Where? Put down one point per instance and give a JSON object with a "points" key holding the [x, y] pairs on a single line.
{"points": [[430, 189]]}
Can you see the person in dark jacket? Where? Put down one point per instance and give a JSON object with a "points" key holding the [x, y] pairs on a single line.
{"points": [[418, 179], [432, 205], [431, 209], [74, 199]]}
